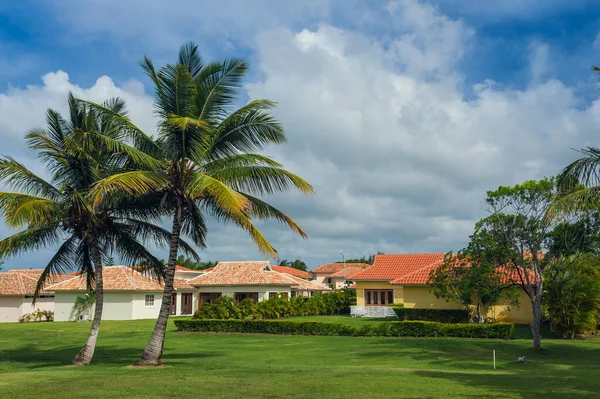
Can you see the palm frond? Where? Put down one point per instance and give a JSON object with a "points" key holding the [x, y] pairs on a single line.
{"points": [[244, 222], [237, 160], [33, 238], [574, 201], [204, 187], [193, 223], [585, 170], [133, 252], [150, 232], [262, 210], [141, 140], [249, 129], [261, 179], [23, 209], [63, 261], [134, 183], [191, 58], [19, 177], [218, 85]]}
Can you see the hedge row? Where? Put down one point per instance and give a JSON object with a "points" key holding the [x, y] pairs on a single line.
{"points": [[385, 329], [439, 315]]}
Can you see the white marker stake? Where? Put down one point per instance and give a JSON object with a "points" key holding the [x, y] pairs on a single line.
{"points": [[494, 359]]}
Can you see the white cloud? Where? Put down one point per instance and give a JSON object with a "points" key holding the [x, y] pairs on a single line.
{"points": [[400, 157], [539, 61]]}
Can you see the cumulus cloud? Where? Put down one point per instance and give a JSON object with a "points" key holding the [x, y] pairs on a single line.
{"points": [[399, 155], [398, 159]]}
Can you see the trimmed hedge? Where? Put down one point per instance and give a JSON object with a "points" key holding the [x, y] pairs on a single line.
{"points": [[439, 315], [386, 329]]}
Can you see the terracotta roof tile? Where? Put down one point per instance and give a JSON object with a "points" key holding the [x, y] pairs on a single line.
{"points": [[335, 267], [392, 267], [115, 278], [292, 271], [182, 284], [306, 285], [23, 282], [242, 273], [350, 270]]}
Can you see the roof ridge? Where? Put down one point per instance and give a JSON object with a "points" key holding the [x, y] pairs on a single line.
{"points": [[129, 278]]}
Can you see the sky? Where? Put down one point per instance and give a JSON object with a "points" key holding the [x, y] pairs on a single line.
{"points": [[402, 114]]}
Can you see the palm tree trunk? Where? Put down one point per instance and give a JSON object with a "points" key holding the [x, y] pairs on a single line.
{"points": [[153, 353], [84, 357]]}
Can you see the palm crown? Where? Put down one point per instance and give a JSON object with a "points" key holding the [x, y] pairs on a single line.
{"points": [[78, 152]]}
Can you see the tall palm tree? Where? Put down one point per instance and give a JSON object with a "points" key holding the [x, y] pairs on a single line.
{"points": [[211, 160], [579, 185], [78, 152]]}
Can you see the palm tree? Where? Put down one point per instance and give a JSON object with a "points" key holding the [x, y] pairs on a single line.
{"points": [[579, 185], [210, 160], [78, 152]]}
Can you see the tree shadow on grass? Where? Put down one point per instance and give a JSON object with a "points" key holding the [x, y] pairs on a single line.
{"points": [[561, 369], [32, 356]]}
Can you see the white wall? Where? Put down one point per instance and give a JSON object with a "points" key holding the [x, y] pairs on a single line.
{"points": [[63, 305], [10, 308], [139, 310]]}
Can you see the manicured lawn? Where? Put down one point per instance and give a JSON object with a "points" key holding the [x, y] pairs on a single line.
{"points": [[34, 362]]}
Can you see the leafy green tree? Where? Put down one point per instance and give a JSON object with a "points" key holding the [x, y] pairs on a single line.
{"points": [[78, 151], [572, 296], [473, 282], [297, 264], [515, 235], [191, 263], [209, 158]]}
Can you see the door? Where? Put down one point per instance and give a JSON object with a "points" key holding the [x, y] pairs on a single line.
{"points": [[186, 303], [174, 303], [379, 297]]}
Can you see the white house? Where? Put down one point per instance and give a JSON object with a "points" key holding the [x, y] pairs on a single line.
{"points": [[130, 295], [16, 294]]}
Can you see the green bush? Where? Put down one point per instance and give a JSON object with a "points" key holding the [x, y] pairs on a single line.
{"points": [[38, 315], [329, 303], [439, 315], [387, 329]]}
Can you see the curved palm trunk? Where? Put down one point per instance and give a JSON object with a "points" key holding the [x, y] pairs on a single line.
{"points": [[153, 353], [84, 357]]}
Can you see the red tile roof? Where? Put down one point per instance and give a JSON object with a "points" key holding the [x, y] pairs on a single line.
{"points": [[351, 269], [242, 273], [23, 282], [292, 271], [253, 273], [335, 267], [182, 284], [392, 267], [115, 278]]}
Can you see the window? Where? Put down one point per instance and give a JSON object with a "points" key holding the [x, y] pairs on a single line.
{"points": [[240, 296], [379, 297], [149, 300]]}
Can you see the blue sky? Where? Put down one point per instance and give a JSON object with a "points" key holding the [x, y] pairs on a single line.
{"points": [[402, 113]]}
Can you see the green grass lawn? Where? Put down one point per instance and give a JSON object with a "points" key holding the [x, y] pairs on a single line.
{"points": [[34, 362]]}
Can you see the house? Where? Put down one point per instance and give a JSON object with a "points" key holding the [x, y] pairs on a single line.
{"points": [[293, 272], [334, 273], [16, 294], [403, 279], [129, 294], [256, 280]]}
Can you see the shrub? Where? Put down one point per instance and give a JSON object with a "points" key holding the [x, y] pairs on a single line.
{"points": [[572, 297], [439, 315], [38, 315], [387, 329], [330, 303]]}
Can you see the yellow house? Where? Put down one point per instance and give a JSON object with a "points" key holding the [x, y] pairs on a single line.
{"points": [[403, 279]]}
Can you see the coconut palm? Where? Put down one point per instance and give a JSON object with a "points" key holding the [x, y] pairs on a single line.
{"points": [[211, 160], [579, 184], [78, 152]]}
